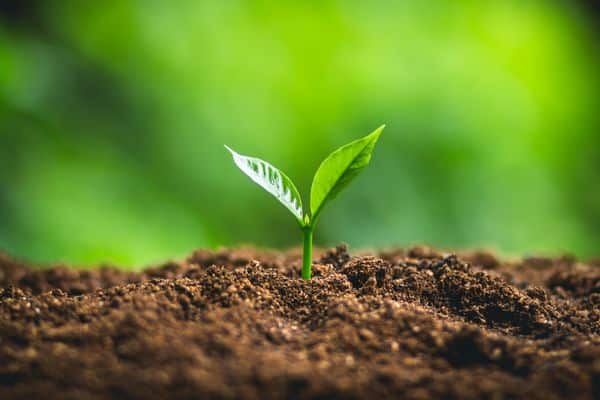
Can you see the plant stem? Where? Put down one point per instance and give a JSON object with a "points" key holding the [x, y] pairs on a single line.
{"points": [[307, 255]]}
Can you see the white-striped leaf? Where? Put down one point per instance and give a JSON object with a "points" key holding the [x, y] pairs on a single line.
{"points": [[272, 180]]}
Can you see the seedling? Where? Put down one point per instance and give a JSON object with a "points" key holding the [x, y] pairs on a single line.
{"points": [[333, 175]]}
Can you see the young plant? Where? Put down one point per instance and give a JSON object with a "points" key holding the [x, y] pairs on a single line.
{"points": [[333, 175]]}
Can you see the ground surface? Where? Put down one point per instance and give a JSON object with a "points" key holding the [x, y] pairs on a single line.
{"points": [[241, 324]]}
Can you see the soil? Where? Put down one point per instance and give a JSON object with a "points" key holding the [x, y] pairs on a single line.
{"points": [[241, 324]]}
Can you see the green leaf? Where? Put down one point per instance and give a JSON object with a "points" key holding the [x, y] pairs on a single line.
{"points": [[272, 180], [338, 170]]}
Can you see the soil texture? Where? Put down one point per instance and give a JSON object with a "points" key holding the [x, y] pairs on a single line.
{"points": [[242, 324]]}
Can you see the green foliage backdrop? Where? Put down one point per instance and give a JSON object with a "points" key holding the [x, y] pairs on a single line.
{"points": [[113, 117]]}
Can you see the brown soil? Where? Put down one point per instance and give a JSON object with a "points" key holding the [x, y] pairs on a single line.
{"points": [[236, 324]]}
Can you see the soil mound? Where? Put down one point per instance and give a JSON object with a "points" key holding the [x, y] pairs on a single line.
{"points": [[241, 324]]}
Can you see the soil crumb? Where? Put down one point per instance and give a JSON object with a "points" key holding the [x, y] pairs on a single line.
{"points": [[242, 324]]}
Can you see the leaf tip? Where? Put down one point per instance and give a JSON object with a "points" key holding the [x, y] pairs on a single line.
{"points": [[375, 134], [230, 149]]}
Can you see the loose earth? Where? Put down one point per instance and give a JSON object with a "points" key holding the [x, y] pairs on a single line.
{"points": [[242, 324]]}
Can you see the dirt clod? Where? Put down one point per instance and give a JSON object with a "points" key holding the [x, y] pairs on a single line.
{"points": [[241, 324]]}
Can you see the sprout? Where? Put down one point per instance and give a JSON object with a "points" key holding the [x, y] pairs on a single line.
{"points": [[333, 175]]}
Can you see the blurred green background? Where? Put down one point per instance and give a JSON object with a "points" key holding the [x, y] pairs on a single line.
{"points": [[113, 117]]}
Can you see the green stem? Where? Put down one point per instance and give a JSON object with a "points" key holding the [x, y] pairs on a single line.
{"points": [[307, 255]]}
